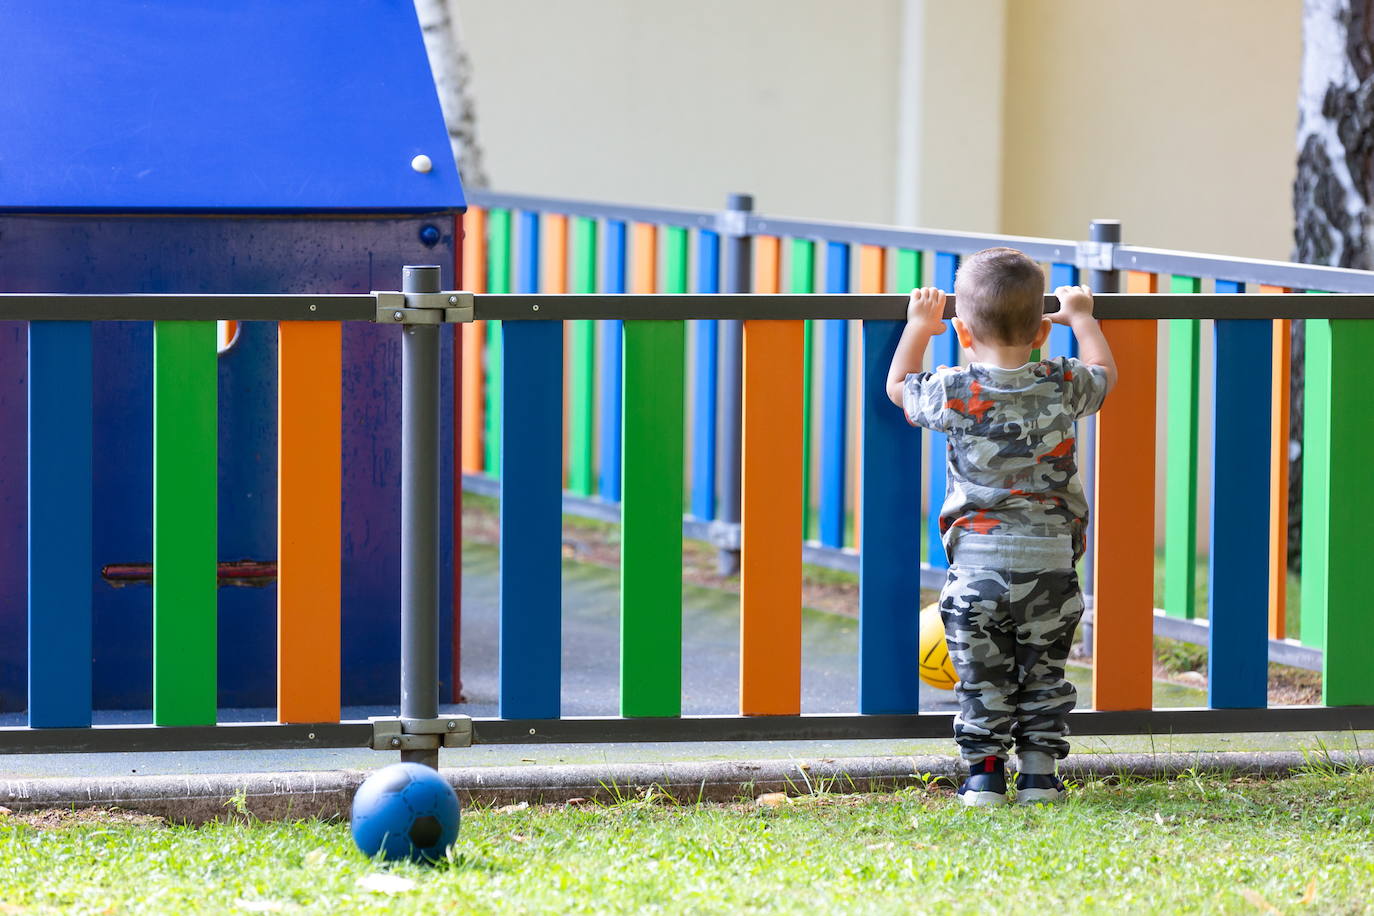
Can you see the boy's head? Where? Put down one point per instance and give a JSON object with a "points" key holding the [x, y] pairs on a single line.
{"points": [[999, 293]]}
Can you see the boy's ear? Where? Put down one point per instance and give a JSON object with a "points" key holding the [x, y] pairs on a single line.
{"points": [[1043, 334], [962, 332]]}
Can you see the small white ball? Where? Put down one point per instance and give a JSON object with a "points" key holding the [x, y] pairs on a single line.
{"points": [[421, 163]]}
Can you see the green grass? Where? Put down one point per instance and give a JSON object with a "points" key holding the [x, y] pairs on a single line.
{"points": [[1188, 845]]}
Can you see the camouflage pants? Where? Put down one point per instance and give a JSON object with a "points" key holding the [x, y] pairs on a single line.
{"points": [[1009, 633]]}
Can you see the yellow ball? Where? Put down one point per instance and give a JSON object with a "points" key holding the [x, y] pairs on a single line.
{"points": [[936, 669]]}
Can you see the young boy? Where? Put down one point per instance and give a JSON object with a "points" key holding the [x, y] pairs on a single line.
{"points": [[1014, 512]]}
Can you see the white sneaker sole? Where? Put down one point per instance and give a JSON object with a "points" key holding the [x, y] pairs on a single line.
{"points": [[1039, 796], [982, 799]]}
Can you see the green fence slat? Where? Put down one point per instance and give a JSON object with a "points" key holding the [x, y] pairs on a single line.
{"points": [[653, 396], [1316, 480], [802, 279], [1347, 676], [498, 281], [910, 271], [582, 397], [185, 497], [1180, 514], [674, 280]]}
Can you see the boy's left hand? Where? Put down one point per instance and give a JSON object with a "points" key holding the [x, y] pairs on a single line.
{"points": [[926, 310]]}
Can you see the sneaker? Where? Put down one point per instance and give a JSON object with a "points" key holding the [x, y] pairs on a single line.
{"points": [[1039, 788], [986, 783]]}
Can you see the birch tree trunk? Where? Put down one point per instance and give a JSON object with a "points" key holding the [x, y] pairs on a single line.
{"points": [[452, 69], [1335, 177]]}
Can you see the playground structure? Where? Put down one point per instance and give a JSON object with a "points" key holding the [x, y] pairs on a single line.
{"points": [[210, 179], [615, 283]]}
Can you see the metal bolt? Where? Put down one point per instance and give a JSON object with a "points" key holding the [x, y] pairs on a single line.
{"points": [[452, 724], [397, 315], [452, 300], [395, 742], [536, 308], [311, 736], [531, 731], [312, 306]]}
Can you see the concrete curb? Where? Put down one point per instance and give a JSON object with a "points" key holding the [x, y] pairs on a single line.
{"points": [[328, 794]]}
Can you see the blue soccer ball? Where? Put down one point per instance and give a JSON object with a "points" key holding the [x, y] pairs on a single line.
{"points": [[405, 811]]}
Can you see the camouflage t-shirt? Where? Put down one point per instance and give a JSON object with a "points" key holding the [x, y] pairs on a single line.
{"points": [[1011, 463]]}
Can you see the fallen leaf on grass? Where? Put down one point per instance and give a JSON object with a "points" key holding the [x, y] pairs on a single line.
{"points": [[1310, 895], [260, 906], [771, 800], [385, 884], [511, 809], [923, 846], [1159, 819], [578, 801], [315, 856], [1256, 899], [519, 837], [4, 810], [879, 846]]}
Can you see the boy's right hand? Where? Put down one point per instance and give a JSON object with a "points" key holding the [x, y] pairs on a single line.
{"points": [[926, 310], [1075, 302]]}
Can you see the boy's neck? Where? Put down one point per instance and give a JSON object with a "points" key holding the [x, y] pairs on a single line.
{"points": [[1003, 357]]}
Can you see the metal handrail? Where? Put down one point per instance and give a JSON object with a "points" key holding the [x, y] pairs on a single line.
{"points": [[661, 306]]}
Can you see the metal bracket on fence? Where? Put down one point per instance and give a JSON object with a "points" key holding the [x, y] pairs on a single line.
{"points": [[392, 734], [733, 223], [724, 535], [1094, 255], [451, 307]]}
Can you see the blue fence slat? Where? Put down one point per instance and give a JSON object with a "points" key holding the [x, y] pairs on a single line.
{"points": [[531, 520], [613, 280], [527, 253], [890, 519], [944, 352], [1062, 342], [706, 346], [60, 566], [834, 402], [1237, 589]]}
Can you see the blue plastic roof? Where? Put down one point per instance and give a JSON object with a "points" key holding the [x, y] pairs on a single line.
{"points": [[301, 105]]}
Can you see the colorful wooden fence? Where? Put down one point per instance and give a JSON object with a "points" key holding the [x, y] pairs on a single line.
{"points": [[838, 259], [633, 358]]}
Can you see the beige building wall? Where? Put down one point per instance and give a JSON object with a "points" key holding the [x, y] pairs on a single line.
{"points": [[1028, 117], [679, 103], [1177, 117], [1023, 116]]}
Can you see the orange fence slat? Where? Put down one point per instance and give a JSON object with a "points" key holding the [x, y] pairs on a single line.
{"points": [[1278, 473], [872, 279], [767, 264], [554, 279], [474, 342], [1123, 616], [644, 259], [771, 518], [309, 495]]}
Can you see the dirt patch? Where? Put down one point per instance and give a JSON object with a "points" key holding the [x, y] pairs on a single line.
{"points": [[62, 818]]}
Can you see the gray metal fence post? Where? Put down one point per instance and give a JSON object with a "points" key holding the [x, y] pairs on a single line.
{"points": [[738, 278], [1102, 232], [420, 514]]}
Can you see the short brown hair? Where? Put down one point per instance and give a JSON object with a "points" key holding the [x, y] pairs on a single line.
{"points": [[1000, 294]]}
